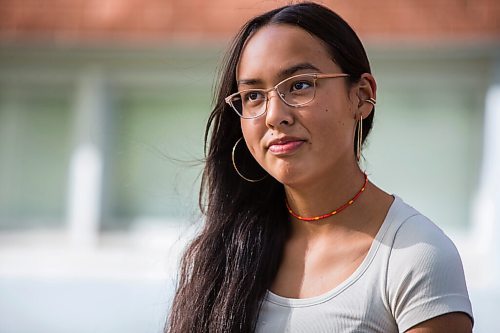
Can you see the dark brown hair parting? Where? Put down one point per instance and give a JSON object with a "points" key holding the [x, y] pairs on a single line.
{"points": [[227, 269]]}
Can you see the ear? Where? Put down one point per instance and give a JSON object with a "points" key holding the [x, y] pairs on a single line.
{"points": [[366, 91]]}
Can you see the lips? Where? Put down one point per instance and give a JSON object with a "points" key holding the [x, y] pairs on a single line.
{"points": [[285, 145]]}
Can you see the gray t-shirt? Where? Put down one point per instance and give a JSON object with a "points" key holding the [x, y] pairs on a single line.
{"points": [[411, 273]]}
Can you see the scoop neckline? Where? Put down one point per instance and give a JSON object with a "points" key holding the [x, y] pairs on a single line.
{"points": [[309, 301]]}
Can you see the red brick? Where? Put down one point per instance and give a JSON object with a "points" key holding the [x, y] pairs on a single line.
{"points": [[161, 19]]}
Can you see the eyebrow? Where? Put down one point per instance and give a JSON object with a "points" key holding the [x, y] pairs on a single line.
{"points": [[282, 74]]}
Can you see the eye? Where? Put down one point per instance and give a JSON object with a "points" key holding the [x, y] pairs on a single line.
{"points": [[253, 96], [301, 85]]}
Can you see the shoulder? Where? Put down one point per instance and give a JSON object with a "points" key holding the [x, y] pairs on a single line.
{"points": [[419, 237], [425, 277], [413, 234]]}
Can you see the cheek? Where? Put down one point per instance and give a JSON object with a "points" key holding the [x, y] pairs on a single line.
{"points": [[332, 129], [252, 134]]}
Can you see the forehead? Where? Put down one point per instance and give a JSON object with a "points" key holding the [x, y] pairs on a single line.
{"points": [[274, 48]]}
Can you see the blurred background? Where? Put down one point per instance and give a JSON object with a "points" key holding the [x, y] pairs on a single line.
{"points": [[102, 112]]}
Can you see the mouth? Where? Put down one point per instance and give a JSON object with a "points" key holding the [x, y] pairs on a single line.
{"points": [[285, 145]]}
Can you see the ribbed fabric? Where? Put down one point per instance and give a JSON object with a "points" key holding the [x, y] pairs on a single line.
{"points": [[411, 273]]}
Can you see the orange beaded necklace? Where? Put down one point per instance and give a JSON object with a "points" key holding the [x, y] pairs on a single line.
{"points": [[336, 211]]}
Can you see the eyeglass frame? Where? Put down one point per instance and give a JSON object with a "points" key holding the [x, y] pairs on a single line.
{"points": [[315, 76]]}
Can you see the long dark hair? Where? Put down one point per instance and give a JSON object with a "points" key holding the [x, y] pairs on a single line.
{"points": [[228, 267]]}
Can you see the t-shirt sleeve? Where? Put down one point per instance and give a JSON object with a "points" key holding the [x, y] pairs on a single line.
{"points": [[425, 276]]}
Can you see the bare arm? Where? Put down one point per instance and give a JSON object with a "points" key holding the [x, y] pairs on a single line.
{"points": [[457, 322]]}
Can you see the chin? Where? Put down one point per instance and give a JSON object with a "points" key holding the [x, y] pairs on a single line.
{"points": [[289, 177], [286, 171]]}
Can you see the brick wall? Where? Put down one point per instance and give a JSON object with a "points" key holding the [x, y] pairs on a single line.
{"points": [[153, 20]]}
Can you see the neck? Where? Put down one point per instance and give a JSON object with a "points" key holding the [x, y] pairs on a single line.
{"points": [[324, 196]]}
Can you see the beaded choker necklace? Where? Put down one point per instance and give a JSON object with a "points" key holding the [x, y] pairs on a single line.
{"points": [[336, 211]]}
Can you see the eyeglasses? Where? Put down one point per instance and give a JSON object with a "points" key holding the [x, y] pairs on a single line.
{"points": [[295, 91]]}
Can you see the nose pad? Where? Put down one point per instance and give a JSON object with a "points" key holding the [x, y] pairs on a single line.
{"points": [[280, 95], [278, 112]]}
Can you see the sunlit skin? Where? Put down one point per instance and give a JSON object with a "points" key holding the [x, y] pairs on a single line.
{"points": [[320, 171], [317, 166], [325, 125]]}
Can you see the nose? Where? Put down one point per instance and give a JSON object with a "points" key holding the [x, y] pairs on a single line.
{"points": [[278, 113]]}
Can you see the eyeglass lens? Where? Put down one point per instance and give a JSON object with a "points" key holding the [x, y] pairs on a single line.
{"points": [[296, 91]]}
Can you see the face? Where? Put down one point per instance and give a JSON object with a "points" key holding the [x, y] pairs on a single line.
{"points": [[298, 144]]}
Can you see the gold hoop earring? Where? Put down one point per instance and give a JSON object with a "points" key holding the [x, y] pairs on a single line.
{"points": [[236, 168], [360, 137]]}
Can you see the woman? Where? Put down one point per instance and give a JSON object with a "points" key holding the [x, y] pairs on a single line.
{"points": [[296, 238]]}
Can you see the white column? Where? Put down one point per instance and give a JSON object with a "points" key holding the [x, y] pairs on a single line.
{"points": [[486, 217], [86, 166]]}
